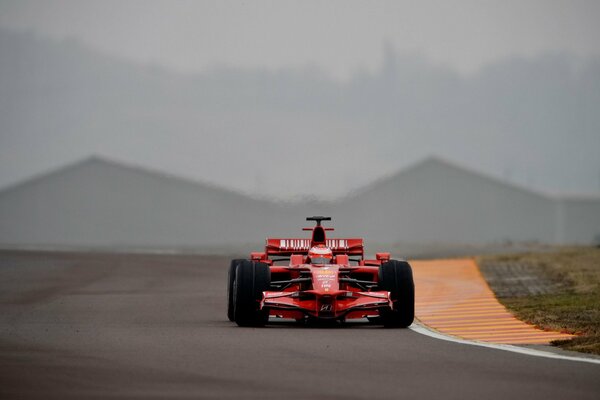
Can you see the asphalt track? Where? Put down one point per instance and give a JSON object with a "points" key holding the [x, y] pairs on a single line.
{"points": [[101, 326]]}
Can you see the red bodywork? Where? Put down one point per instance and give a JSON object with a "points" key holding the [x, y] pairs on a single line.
{"points": [[344, 289]]}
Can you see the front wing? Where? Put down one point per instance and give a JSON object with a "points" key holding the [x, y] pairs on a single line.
{"points": [[337, 305]]}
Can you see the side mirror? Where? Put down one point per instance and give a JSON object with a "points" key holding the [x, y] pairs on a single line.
{"points": [[382, 256]]}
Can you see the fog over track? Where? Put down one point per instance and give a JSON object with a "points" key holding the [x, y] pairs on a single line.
{"points": [[75, 325]]}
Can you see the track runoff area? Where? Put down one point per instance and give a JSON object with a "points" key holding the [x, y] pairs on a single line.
{"points": [[454, 302]]}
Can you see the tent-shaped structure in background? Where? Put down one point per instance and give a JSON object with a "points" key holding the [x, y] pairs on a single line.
{"points": [[101, 203], [440, 201], [98, 202]]}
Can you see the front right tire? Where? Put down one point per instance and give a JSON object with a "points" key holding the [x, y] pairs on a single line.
{"points": [[230, 279], [251, 280]]}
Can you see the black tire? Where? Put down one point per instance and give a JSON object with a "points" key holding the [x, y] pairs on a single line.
{"points": [[396, 277], [251, 280], [230, 279]]}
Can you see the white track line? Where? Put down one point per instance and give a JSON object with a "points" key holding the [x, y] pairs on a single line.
{"points": [[507, 347]]}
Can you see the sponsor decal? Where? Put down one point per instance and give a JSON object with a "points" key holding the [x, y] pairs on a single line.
{"points": [[325, 274], [326, 307], [276, 294], [337, 243], [304, 244], [376, 295], [295, 244]]}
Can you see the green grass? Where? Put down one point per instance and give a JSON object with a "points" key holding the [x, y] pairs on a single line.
{"points": [[575, 308]]}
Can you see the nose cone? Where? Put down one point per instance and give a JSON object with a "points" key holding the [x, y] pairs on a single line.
{"points": [[325, 279]]}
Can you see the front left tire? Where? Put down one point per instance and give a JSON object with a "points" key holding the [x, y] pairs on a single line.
{"points": [[396, 277]]}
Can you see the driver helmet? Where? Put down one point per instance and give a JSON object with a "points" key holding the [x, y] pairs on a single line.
{"points": [[320, 254]]}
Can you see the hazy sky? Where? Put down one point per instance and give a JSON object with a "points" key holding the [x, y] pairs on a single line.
{"points": [[534, 122], [341, 37]]}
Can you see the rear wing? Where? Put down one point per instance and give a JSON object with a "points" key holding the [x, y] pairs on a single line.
{"points": [[289, 246]]}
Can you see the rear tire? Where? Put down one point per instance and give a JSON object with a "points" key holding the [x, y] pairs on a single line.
{"points": [[396, 277], [251, 280], [230, 279]]}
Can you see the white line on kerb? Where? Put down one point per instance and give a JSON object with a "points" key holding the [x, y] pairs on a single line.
{"points": [[507, 347]]}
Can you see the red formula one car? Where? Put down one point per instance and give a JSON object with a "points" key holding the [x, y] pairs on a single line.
{"points": [[320, 279]]}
